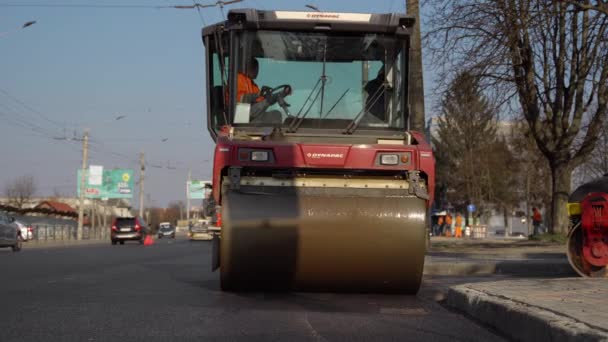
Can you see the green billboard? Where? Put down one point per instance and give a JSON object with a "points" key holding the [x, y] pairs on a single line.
{"points": [[198, 189], [115, 183]]}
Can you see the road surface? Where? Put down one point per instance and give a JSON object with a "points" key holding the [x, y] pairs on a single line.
{"points": [[168, 292]]}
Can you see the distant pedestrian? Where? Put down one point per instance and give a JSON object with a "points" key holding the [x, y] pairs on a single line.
{"points": [[440, 224], [537, 220], [448, 223], [458, 226]]}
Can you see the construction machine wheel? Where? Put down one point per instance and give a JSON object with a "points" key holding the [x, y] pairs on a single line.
{"points": [[576, 258], [318, 239]]}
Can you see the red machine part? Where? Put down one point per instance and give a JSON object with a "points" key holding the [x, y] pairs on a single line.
{"points": [[347, 157], [594, 223]]}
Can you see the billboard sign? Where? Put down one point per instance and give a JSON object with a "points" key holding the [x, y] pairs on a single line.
{"points": [[95, 175], [116, 183], [196, 189]]}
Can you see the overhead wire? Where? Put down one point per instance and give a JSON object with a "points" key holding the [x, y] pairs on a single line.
{"points": [[20, 121], [200, 14], [82, 5], [23, 105]]}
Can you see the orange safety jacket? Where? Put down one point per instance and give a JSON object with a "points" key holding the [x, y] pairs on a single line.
{"points": [[245, 85], [448, 220], [458, 221]]}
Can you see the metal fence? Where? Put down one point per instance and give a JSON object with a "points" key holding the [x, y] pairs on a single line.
{"points": [[45, 232]]}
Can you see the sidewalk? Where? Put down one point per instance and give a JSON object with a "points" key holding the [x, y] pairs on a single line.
{"points": [[512, 247], [538, 309], [62, 243], [451, 262], [463, 257]]}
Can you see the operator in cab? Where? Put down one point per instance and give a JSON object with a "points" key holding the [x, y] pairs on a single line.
{"points": [[245, 84], [249, 93]]}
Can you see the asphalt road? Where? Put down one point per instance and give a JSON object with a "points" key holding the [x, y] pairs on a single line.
{"points": [[168, 292]]}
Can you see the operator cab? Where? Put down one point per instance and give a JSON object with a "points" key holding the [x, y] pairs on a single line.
{"points": [[332, 72]]}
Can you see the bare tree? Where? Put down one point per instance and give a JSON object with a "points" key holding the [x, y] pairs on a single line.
{"points": [[550, 55], [473, 163], [20, 191], [534, 174], [597, 164], [597, 5]]}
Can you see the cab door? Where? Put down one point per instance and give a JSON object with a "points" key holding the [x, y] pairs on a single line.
{"points": [[217, 56]]}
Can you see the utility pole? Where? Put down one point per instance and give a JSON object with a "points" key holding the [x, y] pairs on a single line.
{"points": [[85, 156], [188, 196], [416, 96], [141, 184]]}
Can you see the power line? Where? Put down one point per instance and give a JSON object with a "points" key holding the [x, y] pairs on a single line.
{"points": [[196, 5], [82, 6], [28, 107], [200, 14], [21, 122]]}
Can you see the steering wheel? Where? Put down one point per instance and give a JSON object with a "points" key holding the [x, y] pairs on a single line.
{"points": [[277, 95]]}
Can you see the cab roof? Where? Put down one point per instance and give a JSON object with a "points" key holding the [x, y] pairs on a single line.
{"points": [[247, 18]]}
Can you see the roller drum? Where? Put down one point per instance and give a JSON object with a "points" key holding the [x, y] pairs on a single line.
{"points": [[576, 258], [322, 239]]}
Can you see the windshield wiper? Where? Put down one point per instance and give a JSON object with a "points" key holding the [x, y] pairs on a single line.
{"points": [[322, 79], [294, 123], [335, 104], [352, 126]]}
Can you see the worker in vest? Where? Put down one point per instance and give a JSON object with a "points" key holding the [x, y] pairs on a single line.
{"points": [[249, 92], [458, 226], [537, 220], [245, 83], [448, 223], [440, 224]]}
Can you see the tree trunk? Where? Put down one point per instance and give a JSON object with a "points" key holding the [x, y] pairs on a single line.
{"points": [[528, 214], [416, 94], [505, 213], [561, 175]]}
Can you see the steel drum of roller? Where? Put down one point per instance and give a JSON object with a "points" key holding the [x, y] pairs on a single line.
{"points": [[322, 238], [587, 246]]}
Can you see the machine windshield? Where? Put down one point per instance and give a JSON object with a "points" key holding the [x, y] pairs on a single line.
{"points": [[320, 80]]}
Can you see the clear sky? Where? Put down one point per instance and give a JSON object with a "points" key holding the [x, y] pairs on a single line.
{"points": [[80, 68]]}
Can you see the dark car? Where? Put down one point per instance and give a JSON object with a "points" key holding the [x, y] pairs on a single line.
{"points": [[166, 229], [129, 229], [10, 235]]}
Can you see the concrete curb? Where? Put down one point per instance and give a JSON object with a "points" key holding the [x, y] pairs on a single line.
{"points": [[519, 320], [435, 266], [62, 244]]}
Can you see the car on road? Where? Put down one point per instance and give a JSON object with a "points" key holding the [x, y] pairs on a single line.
{"points": [[199, 230], [166, 229], [128, 229], [26, 230], [10, 235]]}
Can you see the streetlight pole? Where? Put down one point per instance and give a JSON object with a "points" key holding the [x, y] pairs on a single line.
{"points": [[141, 183], [85, 154], [27, 24], [188, 184]]}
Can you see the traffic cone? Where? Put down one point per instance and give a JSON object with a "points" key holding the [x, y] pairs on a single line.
{"points": [[148, 241]]}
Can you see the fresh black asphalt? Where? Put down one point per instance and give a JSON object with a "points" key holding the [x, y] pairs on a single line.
{"points": [[167, 292]]}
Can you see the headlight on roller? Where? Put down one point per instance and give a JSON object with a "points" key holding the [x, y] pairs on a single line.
{"points": [[259, 155], [389, 159], [574, 209]]}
